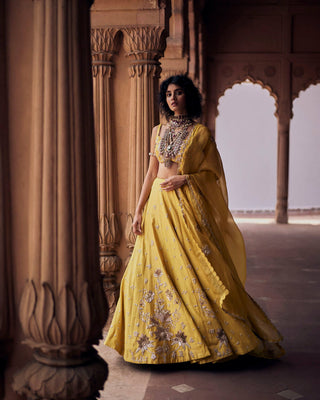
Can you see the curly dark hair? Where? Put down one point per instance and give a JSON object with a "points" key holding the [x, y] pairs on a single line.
{"points": [[193, 96]]}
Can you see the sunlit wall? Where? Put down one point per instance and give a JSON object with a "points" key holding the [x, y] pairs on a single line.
{"points": [[246, 135]]}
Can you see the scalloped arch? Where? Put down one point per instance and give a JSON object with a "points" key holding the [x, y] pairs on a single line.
{"points": [[254, 81], [305, 86]]}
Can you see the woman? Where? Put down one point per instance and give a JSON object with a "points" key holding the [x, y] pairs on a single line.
{"points": [[182, 296]]}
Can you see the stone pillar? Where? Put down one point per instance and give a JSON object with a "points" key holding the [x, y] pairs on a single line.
{"points": [[63, 307], [284, 115], [144, 45], [283, 168], [104, 44]]}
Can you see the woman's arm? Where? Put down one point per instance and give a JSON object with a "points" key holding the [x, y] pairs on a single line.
{"points": [[205, 151], [146, 187], [173, 182]]}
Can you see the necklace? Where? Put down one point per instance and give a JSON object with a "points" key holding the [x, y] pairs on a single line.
{"points": [[175, 134]]}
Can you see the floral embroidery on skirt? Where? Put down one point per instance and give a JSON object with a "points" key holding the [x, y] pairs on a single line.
{"points": [[171, 305]]}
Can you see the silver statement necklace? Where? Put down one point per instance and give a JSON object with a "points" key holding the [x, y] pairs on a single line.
{"points": [[176, 132]]}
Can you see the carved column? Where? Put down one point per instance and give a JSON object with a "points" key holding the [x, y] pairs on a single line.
{"points": [[144, 45], [63, 308], [104, 44]]}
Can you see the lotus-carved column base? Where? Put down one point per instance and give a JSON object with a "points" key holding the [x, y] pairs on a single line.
{"points": [[48, 380], [61, 330]]}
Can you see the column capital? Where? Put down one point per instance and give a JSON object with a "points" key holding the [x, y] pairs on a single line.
{"points": [[105, 43], [144, 43]]}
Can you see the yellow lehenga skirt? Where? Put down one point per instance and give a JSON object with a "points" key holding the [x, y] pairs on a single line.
{"points": [[174, 305]]}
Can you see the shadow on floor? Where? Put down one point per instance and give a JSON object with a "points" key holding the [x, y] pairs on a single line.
{"points": [[243, 363]]}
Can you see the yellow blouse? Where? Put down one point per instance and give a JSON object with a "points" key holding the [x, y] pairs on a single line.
{"points": [[177, 158]]}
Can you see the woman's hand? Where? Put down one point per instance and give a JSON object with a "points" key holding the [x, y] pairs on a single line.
{"points": [[174, 182], [136, 224]]}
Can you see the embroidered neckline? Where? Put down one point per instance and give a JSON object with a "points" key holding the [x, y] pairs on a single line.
{"points": [[179, 156]]}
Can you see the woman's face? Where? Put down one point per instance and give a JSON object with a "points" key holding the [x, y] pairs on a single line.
{"points": [[176, 99]]}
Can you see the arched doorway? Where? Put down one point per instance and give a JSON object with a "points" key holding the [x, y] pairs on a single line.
{"points": [[246, 135], [304, 161]]}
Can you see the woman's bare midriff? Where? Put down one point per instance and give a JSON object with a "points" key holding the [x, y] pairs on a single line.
{"points": [[164, 172]]}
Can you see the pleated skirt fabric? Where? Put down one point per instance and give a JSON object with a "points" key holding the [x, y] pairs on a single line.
{"points": [[173, 292]]}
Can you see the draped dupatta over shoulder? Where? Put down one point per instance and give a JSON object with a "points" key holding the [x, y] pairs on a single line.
{"points": [[202, 163]]}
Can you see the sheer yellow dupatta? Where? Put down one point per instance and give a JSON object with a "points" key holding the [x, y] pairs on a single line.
{"points": [[202, 164]]}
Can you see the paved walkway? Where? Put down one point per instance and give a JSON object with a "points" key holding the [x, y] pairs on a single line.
{"points": [[284, 277]]}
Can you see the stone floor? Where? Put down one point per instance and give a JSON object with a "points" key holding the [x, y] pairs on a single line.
{"points": [[284, 277]]}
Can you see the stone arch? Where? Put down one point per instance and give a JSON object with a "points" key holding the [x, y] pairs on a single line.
{"points": [[303, 76], [305, 86], [255, 81], [246, 155]]}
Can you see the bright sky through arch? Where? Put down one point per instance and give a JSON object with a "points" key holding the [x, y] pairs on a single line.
{"points": [[304, 161], [246, 135]]}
